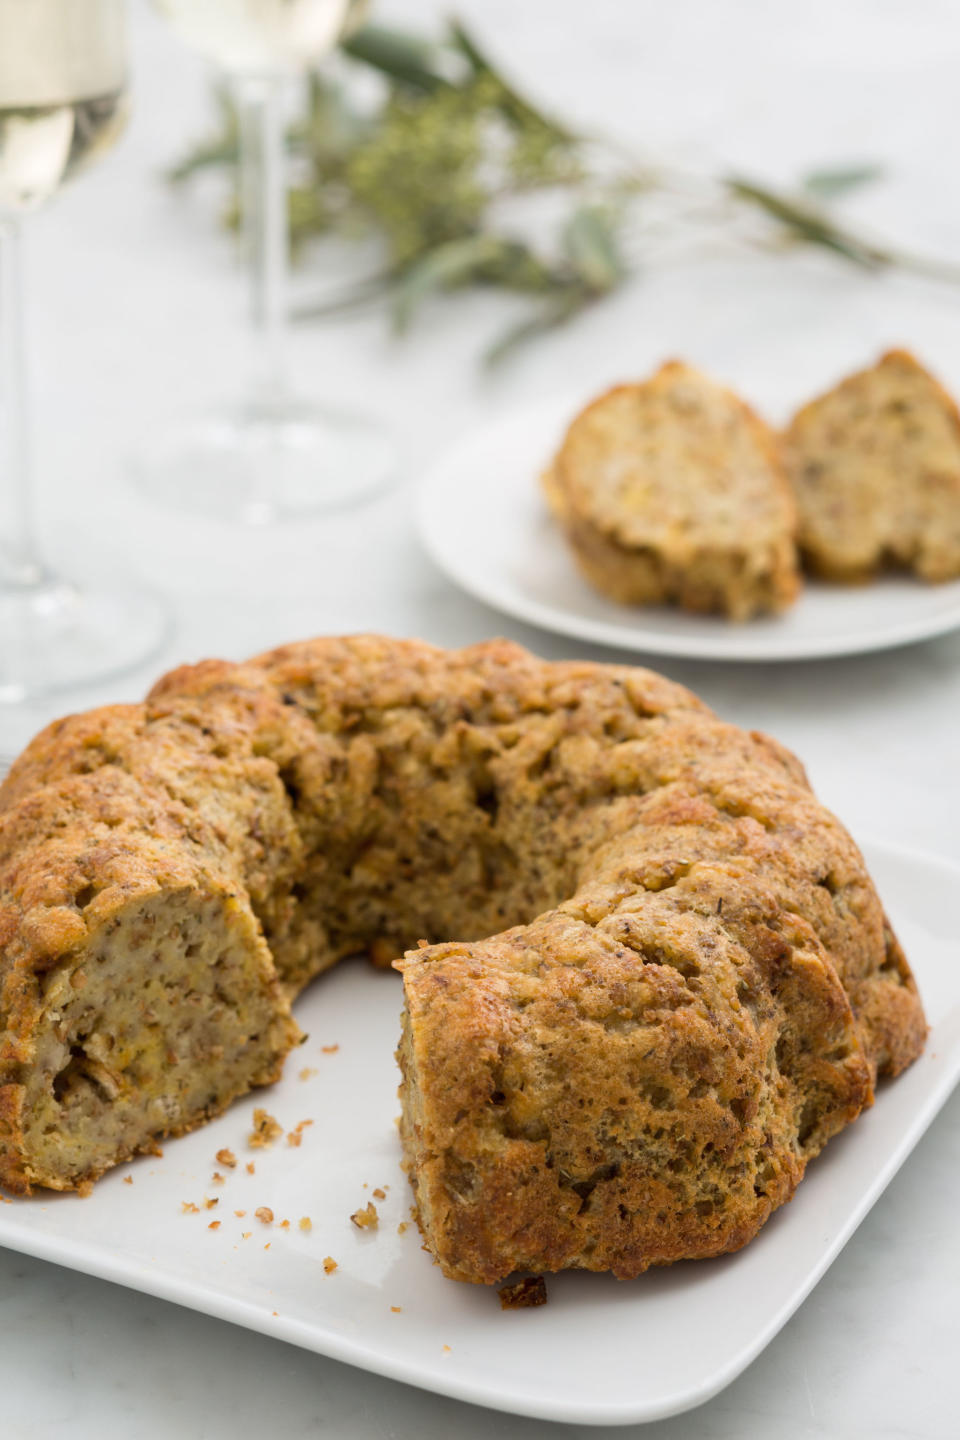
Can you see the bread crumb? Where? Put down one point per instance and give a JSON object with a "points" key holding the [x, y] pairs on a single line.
{"points": [[239, 1214], [329, 1265], [214, 1225], [216, 1178], [209, 1204], [226, 1158], [524, 1294], [380, 1193], [367, 1218], [305, 1223], [264, 1214], [265, 1130], [128, 1179], [274, 1312], [308, 1072], [187, 1207], [446, 1349], [284, 1224], [329, 1049], [295, 1136], [250, 1167], [397, 1309], [403, 1226], [246, 1234], [267, 1246]]}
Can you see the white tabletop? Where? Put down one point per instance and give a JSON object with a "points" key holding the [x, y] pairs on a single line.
{"points": [[136, 311]]}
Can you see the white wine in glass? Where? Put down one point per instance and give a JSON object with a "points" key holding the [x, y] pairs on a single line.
{"points": [[63, 71], [275, 454]]}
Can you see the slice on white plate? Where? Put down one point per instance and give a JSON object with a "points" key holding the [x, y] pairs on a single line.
{"points": [[485, 523]]}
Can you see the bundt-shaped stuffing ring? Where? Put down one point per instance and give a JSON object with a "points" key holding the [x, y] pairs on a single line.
{"points": [[689, 984]]}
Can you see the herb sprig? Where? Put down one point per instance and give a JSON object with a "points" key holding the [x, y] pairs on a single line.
{"points": [[433, 167]]}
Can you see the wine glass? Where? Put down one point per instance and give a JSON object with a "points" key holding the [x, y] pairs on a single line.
{"points": [[276, 454], [63, 69]]}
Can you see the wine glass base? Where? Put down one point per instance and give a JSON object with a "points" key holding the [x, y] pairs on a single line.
{"points": [[57, 635], [266, 462]]}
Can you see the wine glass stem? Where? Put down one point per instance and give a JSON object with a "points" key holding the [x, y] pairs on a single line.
{"points": [[263, 194], [20, 563]]}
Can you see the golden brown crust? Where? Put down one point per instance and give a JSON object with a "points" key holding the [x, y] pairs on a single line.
{"points": [[875, 466], [632, 1090], [673, 490], [609, 833]]}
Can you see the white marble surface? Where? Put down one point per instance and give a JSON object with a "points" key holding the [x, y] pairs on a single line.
{"points": [[136, 310]]}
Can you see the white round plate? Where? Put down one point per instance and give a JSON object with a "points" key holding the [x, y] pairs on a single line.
{"points": [[483, 520]]}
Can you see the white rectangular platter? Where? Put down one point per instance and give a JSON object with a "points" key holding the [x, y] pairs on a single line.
{"points": [[599, 1351]]}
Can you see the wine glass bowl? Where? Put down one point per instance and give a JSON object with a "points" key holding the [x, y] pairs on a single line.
{"points": [[45, 146], [63, 89]]}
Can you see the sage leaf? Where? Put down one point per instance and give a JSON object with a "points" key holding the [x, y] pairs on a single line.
{"points": [[354, 297], [840, 180], [445, 266], [549, 316], [402, 57], [589, 242], [513, 105], [808, 223], [203, 156]]}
